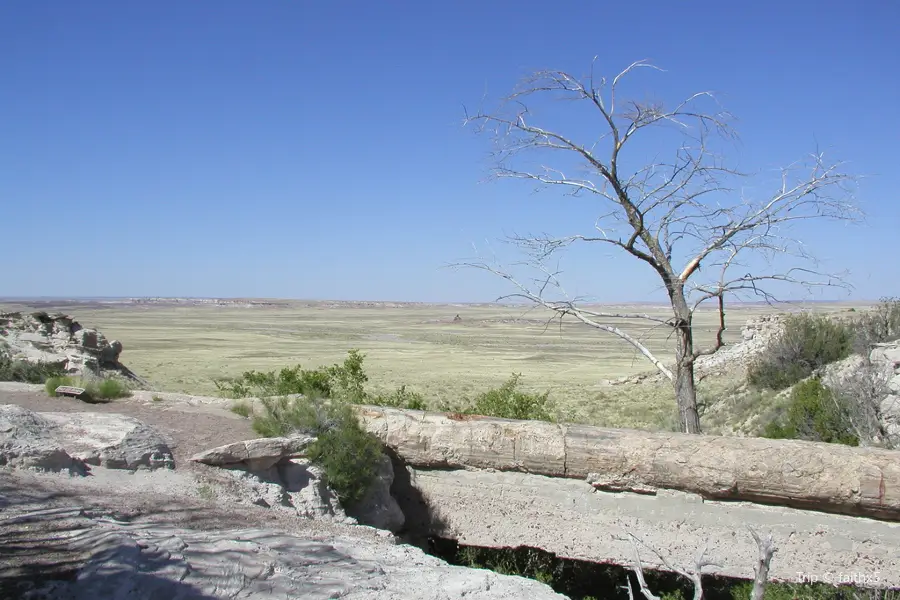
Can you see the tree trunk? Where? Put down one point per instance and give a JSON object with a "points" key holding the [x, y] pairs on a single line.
{"points": [[686, 396], [685, 389], [814, 476]]}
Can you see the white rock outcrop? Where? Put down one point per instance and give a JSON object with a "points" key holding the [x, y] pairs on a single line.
{"points": [[887, 358], [258, 454], [274, 473], [756, 335], [58, 339], [293, 485], [69, 441]]}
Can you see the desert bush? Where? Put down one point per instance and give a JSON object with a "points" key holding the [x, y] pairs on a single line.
{"points": [[242, 408], [26, 371], [881, 324], [94, 389], [348, 380], [283, 416], [345, 381], [111, 388], [809, 591], [509, 402], [287, 381], [860, 392], [814, 413], [806, 343], [400, 398], [54, 382], [348, 454]]}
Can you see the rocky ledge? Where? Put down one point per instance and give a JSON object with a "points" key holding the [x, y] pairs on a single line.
{"points": [[70, 481]]}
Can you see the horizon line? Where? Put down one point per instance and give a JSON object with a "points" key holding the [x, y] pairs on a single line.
{"points": [[422, 302]]}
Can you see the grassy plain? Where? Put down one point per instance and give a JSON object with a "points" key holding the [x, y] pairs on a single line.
{"points": [[185, 347]]}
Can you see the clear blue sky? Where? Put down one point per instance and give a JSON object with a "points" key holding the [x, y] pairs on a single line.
{"points": [[316, 150]]}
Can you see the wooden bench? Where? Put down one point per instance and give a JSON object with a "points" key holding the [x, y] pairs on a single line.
{"points": [[68, 390]]}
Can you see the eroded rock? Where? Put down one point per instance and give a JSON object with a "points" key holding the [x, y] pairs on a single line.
{"points": [[60, 340], [110, 559], [27, 441], [293, 485], [274, 473], [68, 441], [255, 455], [110, 440]]}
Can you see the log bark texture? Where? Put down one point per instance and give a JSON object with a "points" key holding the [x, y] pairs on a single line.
{"points": [[814, 476]]}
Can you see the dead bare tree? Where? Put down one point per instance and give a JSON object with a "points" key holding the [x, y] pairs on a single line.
{"points": [[766, 548], [675, 214], [861, 395]]}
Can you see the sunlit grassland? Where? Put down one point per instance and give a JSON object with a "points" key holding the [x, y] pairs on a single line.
{"points": [[184, 348]]}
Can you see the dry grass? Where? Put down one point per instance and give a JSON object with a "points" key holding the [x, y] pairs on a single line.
{"points": [[182, 348]]}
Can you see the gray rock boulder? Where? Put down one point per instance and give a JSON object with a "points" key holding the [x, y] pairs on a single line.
{"points": [[890, 416], [888, 357], [110, 354], [27, 441], [272, 472], [293, 485], [69, 441], [110, 440], [756, 335], [888, 353], [255, 455]]}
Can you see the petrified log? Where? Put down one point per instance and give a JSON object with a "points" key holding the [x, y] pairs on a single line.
{"points": [[815, 476]]}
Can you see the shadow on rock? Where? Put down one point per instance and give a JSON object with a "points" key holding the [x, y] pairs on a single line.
{"points": [[63, 553], [423, 520]]}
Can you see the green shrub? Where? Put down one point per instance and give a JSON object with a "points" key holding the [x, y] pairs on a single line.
{"points": [[242, 408], [283, 416], [287, 381], [348, 381], [110, 388], [881, 324], [401, 398], [345, 381], [802, 591], [54, 382], [348, 455], [815, 414], [94, 389], [775, 374], [508, 402], [26, 371], [807, 343]]}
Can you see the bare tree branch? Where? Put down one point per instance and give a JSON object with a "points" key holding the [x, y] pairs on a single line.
{"points": [[683, 216], [695, 575], [761, 570], [568, 308]]}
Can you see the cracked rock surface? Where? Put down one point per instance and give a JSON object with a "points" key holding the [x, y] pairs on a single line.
{"points": [[89, 554]]}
